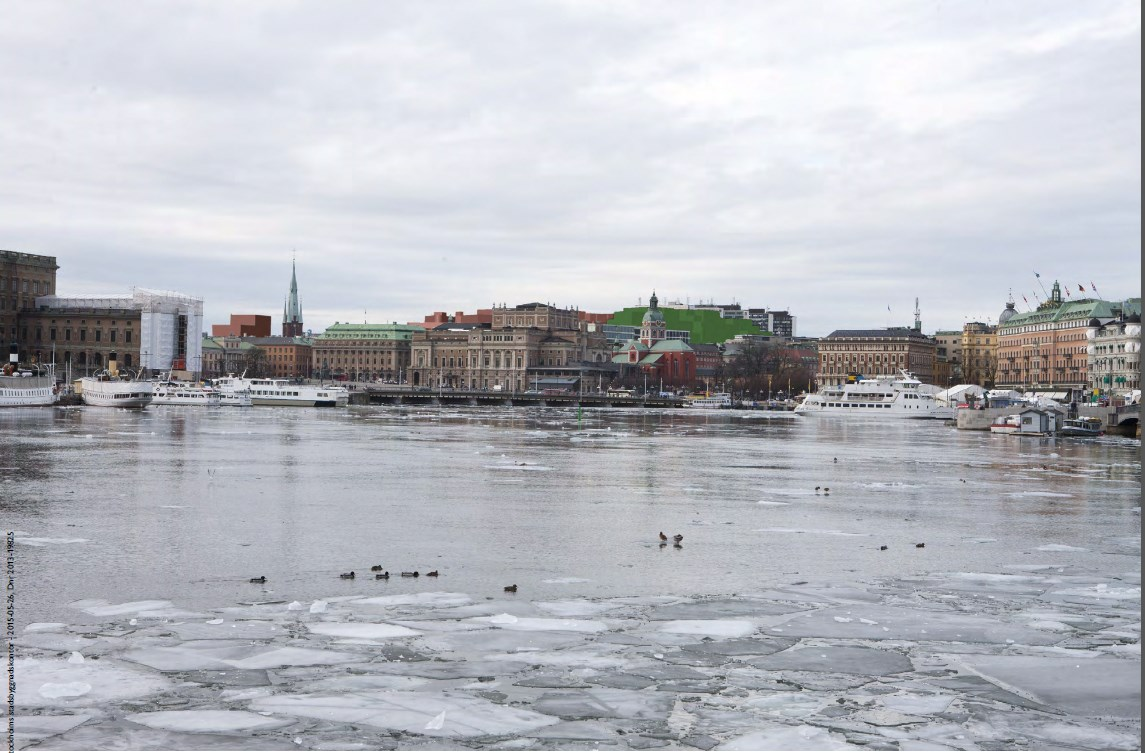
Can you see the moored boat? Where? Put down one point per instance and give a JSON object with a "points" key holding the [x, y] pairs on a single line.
{"points": [[171, 392], [1081, 427], [902, 396], [283, 392], [714, 400], [109, 389], [27, 386]]}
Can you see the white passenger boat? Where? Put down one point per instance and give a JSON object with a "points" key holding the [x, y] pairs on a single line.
{"points": [[27, 386], [714, 400], [113, 390], [182, 393], [283, 392], [882, 397]]}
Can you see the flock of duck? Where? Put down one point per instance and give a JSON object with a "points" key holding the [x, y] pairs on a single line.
{"points": [[677, 539], [381, 573]]}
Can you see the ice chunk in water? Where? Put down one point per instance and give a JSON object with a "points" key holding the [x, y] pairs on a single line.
{"points": [[206, 720], [75, 658], [410, 712], [1092, 687], [361, 630], [713, 628], [64, 689], [45, 627], [802, 737], [101, 608], [103, 681], [437, 722], [543, 623], [318, 607]]}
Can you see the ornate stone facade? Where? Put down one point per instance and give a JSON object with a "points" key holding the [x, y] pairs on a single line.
{"points": [[523, 343], [875, 352]]}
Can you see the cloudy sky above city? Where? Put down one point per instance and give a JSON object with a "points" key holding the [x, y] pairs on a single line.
{"points": [[836, 159]]}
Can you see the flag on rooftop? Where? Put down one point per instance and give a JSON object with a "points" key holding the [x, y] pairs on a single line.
{"points": [[1081, 288], [1037, 275]]}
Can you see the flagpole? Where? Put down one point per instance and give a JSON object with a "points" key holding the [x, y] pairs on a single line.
{"points": [[1043, 286]]}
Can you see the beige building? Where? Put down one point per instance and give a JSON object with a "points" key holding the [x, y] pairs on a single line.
{"points": [[1114, 353], [1046, 350], [22, 278], [523, 344], [979, 353], [875, 352], [286, 357], [363, 352]]}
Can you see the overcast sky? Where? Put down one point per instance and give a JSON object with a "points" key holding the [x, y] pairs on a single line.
{"points": [[834, 159]]}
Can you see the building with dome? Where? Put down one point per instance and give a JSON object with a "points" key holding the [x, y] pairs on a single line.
{"points": [[1047, 350], [1114, 353], [654, 357]]}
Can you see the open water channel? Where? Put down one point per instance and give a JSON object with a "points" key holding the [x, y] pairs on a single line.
{"points": [[781, 621]]}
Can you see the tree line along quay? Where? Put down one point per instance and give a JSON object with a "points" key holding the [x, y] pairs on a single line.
{"points": [[1074, 345]]}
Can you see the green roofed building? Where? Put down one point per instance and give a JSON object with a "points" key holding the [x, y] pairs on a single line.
{"points": [[704, 326], [364, 352], [1046, 350]]}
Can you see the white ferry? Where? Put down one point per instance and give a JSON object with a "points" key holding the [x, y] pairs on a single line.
{"points": [[26, 387], [283, 392], [714, 400], [887, 397], [112, 390], [182, 393]]}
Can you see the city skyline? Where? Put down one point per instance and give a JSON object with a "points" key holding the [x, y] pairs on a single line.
{"points": [[836, 164]]}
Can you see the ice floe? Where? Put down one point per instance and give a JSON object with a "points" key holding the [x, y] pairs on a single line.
{"points": [[1036, 657]]}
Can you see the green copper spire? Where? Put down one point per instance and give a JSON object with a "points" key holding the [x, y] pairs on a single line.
{"points": [[292, 310]]}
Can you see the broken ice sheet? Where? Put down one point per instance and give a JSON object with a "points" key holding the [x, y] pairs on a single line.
{"points": [[410, 712], [206, 720], [105, 682], [30, 729], [1090, 687]]}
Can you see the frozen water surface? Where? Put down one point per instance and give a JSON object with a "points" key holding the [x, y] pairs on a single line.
{"points": [[774, 626]]}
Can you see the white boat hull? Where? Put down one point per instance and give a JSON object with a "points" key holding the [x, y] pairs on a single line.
{"points": [[881, 397], [26, 392], [281, 392], [116, 393], [938, 413]]}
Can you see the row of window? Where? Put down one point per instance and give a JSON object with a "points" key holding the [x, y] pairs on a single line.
{"points": [[19, 285]]}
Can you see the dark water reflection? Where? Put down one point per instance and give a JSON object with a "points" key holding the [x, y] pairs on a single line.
{"points": [[188, 503]]}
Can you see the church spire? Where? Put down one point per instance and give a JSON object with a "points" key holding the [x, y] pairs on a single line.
{"points": [[292, 310]]}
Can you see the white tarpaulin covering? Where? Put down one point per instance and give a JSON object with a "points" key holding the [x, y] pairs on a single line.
{"points": [[958, 394]]}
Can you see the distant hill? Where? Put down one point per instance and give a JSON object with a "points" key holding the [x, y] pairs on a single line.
{"points": [[705, 326]]}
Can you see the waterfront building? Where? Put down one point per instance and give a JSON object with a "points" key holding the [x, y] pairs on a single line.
{"points": [[980, 352], [875, 352], [285, 357], [1113, 351], [658, 360], [292, 309], [153, 330], [23, 277], [243, 325], [1046, 350], [948, 369], [363, 352], [520, 346], [223, 356]]}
